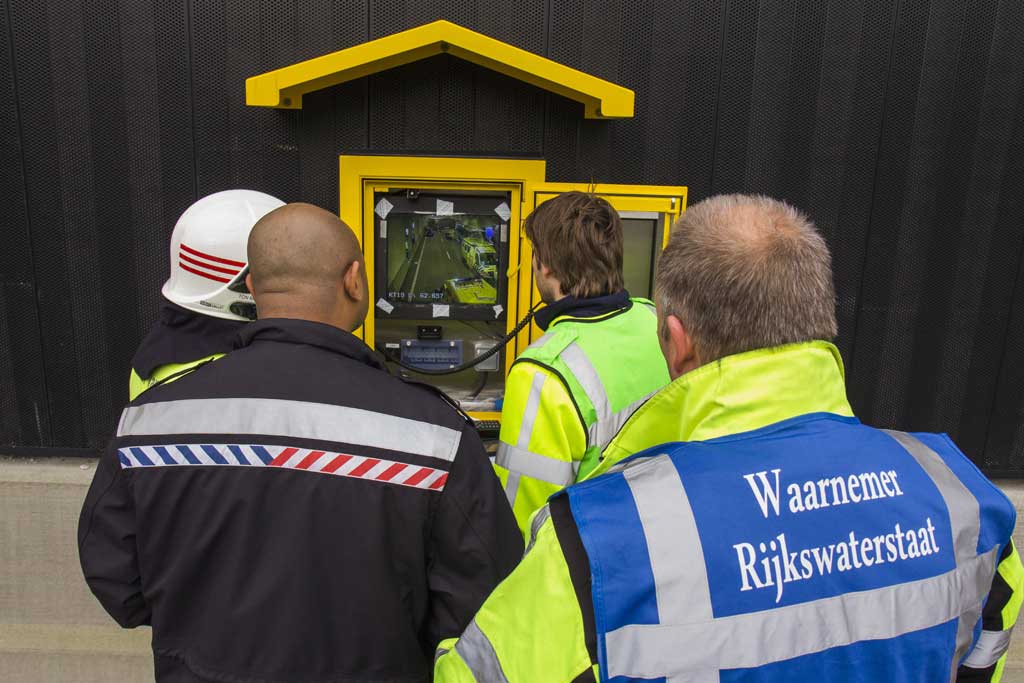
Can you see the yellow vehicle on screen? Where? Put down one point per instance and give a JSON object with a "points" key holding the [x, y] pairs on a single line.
{"points": [[470, 290], [478, 254]]}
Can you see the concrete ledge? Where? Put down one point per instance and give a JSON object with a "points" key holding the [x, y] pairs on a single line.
{"points": [[40, 577], [76, 638], [62, 667], [51, 627], [76, 471]]}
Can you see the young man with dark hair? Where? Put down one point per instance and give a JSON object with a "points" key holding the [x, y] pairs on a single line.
{"points": [[571, 390]]}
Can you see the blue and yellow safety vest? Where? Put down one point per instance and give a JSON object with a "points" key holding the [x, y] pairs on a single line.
{"points": [[780, 541]]}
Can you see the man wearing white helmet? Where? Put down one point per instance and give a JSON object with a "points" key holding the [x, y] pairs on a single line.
{"points": [[206, 297], [322, 520]]}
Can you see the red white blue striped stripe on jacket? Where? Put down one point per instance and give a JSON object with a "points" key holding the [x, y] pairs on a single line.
{"points": [[310, 460]]}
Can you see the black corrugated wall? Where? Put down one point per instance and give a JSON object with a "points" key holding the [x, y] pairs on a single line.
{"points": [[897, 124]]}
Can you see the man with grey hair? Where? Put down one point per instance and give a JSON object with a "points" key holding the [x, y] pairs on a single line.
{"points": [[761, 532]]}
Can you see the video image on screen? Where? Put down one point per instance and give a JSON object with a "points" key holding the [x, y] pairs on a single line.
{"points": [[442, 259]]}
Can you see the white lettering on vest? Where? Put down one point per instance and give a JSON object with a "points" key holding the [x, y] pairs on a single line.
{"points": [[765, 494], [776, 565]]}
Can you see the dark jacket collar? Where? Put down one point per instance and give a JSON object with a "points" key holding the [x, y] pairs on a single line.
{"points": [[181, 336], [308, 333], [573, 307]]}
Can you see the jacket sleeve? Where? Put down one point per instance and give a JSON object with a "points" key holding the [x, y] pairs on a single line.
{"points": [[474, 542], [986, 661], [106, 545], [533, 627], [542, 439]]}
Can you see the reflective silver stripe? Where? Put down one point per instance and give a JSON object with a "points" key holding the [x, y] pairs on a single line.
{"points": [[531, 410], [964, 522], [585, 373], [511, 487], [298, 419], [541, 516], [525, 433], [607, 424], [557, 472], [479, 655], [759, 638], [605, 431], [964, 514], [990, 647], [440, 652], [680, 579], [583, 370], [542, 340]]}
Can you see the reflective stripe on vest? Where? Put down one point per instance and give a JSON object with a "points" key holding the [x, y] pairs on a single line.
{"points": [[539, 517], [965, 520], [476, 651], [519, 460], [990, 647], [297, 419], [608, 423], [689, 644]]}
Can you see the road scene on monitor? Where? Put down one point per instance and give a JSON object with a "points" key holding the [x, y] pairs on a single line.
{"points": [[444, 260]]}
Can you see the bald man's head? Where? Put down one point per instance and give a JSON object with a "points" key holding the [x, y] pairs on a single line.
{"points": [[304, 262]]}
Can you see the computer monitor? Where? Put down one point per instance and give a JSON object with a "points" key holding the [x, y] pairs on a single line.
{"points": [[441, 260], [442, 249], [642, 239]]}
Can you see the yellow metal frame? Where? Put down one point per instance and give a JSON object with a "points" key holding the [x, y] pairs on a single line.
{"points": [[283, 88], [362, 176]]}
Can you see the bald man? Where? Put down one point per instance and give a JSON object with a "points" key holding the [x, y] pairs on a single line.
{"points": [[292, 512], [304, 263]]}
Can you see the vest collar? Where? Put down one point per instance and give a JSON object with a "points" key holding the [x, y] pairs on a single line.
{"points": [[570, 307], [736, 394], [182, 336]]}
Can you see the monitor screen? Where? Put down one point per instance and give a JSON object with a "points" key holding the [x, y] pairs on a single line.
{"points": [[641, 248], [441, 249]]}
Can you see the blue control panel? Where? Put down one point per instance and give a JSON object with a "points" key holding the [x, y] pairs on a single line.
{"points": [[432, 354]]}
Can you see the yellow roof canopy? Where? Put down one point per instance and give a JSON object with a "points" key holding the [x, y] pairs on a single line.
{"points": [[283, 88]]}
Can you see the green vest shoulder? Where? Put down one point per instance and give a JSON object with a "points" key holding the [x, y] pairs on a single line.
{"points": [[164, 373], [609, 364], [772, 384]]}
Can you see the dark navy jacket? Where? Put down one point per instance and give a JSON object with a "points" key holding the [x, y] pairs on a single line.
{"points": [[294, 513]]}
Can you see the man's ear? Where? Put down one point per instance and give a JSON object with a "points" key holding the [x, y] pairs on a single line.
{"points": [[248, 282], [678, 347], [539, 267], [354, 282]]}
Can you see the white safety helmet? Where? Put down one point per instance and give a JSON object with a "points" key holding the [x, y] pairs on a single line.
{"points": [[208, 254]]}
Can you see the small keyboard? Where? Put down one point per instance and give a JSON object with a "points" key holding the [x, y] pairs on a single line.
{"points": [[488, 429]]}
